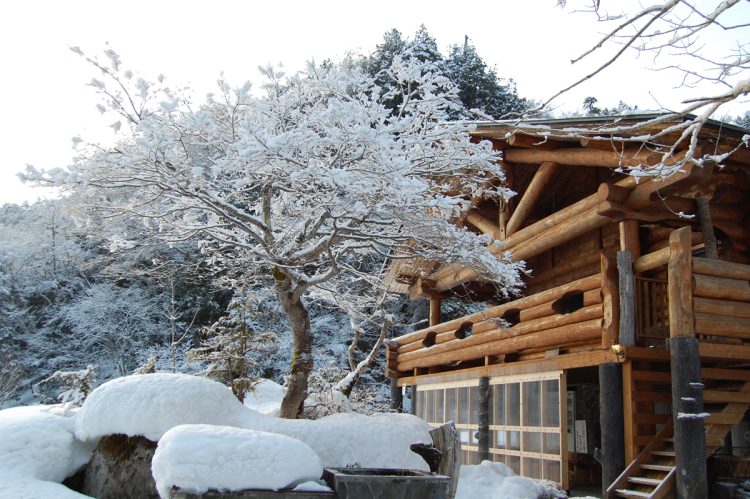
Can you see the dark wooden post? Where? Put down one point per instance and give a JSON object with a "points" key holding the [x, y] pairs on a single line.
{"points": [[627, 298], [484, 419], [397, 396], [687, 388], [413, 399], [612, 455]]}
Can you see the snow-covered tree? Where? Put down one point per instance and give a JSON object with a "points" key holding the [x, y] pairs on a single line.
{"points": [[297, 185]]}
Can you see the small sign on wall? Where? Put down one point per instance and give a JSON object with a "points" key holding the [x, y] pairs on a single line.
{"points": [[582, 444]]}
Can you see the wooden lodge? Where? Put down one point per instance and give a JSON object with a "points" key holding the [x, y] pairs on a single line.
{"points": [[631, 344]]}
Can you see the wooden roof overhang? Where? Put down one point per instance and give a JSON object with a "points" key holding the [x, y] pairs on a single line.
{"points": [[539, 151]]}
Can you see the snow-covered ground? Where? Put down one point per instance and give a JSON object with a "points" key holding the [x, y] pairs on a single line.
{"points": [[41, 445]]}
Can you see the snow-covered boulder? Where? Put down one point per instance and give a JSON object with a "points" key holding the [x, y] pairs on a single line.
{"points": [[37, 442], [121, 467], [197, 458], [150, 404], [490, 480], [38, 450]]}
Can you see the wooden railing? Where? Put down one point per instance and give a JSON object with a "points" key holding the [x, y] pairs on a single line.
{"points": [[652, 311]]}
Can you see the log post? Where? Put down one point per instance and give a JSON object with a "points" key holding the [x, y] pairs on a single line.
{"points": [[397, 396], [484, 419], [447, 440], [435, 311], [627, 298], [707, 228], [687, 388], [611, 414], [413, 400]]}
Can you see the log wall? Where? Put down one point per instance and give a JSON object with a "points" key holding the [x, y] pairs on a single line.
{"points": [[570, 315]]}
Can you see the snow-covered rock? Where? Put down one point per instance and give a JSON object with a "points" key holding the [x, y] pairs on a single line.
{"points": [[197, 458], [38, 449], [490, 480], [37, 442], [121, 467], [149, 405]]}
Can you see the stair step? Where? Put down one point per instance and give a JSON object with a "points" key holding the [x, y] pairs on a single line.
{"points": [[657, 467], [640, 480], [666, 453], [631, 493], [725, 374], [725, 396]]}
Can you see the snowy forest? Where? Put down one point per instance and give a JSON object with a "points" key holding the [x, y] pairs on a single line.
{"points": [[91, 292]]}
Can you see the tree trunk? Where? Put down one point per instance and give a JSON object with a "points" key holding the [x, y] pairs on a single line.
{"points": [[302, 341]]}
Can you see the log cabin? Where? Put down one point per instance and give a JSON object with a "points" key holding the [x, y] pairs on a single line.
{"points": [[630, 346]]}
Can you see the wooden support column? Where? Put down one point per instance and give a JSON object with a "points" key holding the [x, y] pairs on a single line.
{"points": [[612, 425], [629, 238], [505, 207], [397, 396], [531, 196], [707, 228], [687, 387], [483, 435], [627, 298], [413, 399], [435, 311]]}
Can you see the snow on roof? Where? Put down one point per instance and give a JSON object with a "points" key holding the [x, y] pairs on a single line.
{"points": [[150, 404], [197, 458]]}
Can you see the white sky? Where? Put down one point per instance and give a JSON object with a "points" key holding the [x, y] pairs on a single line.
{"points": [[44, 100]]}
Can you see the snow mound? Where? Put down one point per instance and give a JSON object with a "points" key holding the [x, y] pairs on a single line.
{"points": [[265, 397], [37, 442], [31, 488], [150, 404], [201, 457], [490, 480], [352, 439]]}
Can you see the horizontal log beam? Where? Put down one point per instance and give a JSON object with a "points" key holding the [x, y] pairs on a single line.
{"points": [[720, 288], [717, 325], [484, 224], [724, 308], [651, 261], [583, 157], [718, 268]]}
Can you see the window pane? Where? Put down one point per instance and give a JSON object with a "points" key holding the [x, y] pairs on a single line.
{"points": [[513, 401], [450, 404], [532, 441], [498, 402], [463, 406], [552, 471], [552, 443], [439, 414], [532, 467], [514, 440], [498, 439], [552, 403], [532, 403], [429, 399], [515, 464]]}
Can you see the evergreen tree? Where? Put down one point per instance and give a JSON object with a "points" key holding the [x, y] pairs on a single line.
{"points": [[479, 86]]}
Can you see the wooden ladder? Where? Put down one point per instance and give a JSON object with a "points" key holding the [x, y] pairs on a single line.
{"points": [[651, 475]]}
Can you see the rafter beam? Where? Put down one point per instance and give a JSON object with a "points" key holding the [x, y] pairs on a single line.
{"points": [[538, 183]]}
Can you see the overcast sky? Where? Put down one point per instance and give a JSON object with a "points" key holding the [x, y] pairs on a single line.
{"points": [[45, 102]]}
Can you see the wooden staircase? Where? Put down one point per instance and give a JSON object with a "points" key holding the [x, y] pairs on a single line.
{"points": [[726, 397]]}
